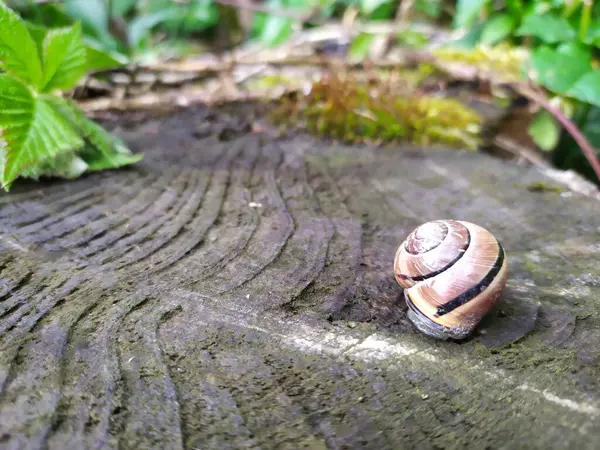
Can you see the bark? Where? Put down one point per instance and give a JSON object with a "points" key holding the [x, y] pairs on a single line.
{"points": [[234, 290]]}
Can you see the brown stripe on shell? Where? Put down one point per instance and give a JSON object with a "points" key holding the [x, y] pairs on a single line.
{"points": [[479, 258], [437, 257]]}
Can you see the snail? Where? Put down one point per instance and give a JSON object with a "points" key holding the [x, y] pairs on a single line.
{"points": [[453, 272]]}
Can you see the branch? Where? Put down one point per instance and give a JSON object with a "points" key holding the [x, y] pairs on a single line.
{"points": [[588, 149]]}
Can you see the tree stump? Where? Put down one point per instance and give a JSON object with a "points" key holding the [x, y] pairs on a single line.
{"points": [[234, 290]]}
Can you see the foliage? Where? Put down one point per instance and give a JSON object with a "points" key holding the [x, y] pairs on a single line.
{"points": [[128, 30], [354, 111], [553, 42], [122, 31], [42, 134], [563, 39], [567, 153]]}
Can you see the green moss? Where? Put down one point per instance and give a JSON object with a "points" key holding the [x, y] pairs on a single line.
{"points": [[502, 62], [540, 186], [531, 354], [355, 111]]}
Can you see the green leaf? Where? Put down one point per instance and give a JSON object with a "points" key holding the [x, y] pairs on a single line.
{"points": [[272, 29], [47, 15], [108, 159], [568, 154], [276, 29], [98, 59], [359, 49], [119, 8], [544, 130], [431, 8], [94, 18], [18, 52], [467, 12], [66, 165], [412, 39], [200, 15], [548, 27], [93, 15], [558, 69], [377, 9], [587, 88], [31, 130], [140, 27], [369, 6], [326, 7], [192, 16], [497, 28], [65, 58], [38, 35], [470, 39], [103, 150], [593, 35]]}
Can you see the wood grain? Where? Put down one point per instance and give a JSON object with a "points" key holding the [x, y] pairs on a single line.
{"points": [[238, 292]]}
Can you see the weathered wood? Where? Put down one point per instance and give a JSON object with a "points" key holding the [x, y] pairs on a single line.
{"points": [[238, 293]]}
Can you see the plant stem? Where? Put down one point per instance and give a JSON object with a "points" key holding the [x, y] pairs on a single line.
{"points": [[588, 150], [586, 16]]}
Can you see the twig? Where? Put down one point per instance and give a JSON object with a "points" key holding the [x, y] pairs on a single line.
{"points": [[404, 10], [588, 150], [526, 90], [527, 154]]}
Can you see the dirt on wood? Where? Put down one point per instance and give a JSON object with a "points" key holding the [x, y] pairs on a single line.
{"points": [[234, 290]]}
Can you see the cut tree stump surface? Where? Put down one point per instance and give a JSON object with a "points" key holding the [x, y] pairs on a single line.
{"points": [[234, 290]]}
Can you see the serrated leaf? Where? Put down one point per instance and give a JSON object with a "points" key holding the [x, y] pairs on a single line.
{"points": [[30, 129], [104, 150], [558, 69], [497, 28], [109, 159], [548, 27], [66, 165], [65, 58], [587, 88], [112, 152], [467, 11], [45, 14], [18, 52], [38, 34], [544, 130]]}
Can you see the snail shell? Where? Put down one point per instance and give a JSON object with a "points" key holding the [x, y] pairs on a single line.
{"points": [[452, 272]]}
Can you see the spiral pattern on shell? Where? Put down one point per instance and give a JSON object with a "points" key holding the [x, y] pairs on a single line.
{"points": [[453, 273]]}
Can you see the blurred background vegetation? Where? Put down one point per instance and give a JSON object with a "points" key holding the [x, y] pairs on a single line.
{"points": [[551, 47]]}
